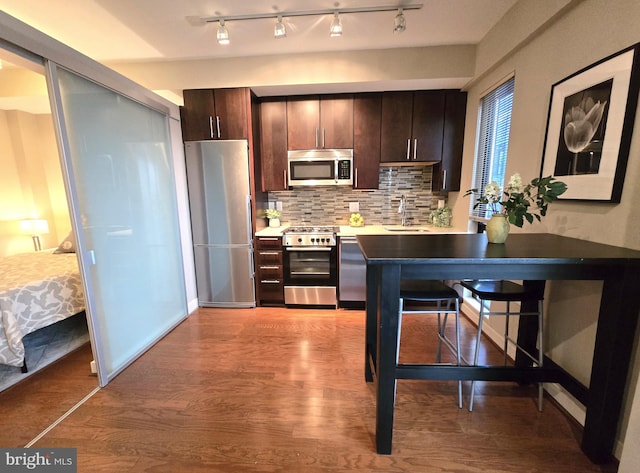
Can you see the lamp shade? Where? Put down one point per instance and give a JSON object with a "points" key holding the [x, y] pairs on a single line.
{"points": [[34, 226]]}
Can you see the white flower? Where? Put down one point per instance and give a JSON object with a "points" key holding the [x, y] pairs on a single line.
{"points": [[492, 192], [272, 213], [515, 184], [581, 124]]}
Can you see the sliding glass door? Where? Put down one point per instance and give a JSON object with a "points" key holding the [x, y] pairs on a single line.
{"points": [[117, 159]]}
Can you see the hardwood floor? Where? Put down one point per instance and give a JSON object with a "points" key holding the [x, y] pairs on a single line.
{"points": [[36, 402], [283, 390]]}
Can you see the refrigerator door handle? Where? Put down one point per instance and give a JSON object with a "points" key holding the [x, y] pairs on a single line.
{"points": [[249, 229]]}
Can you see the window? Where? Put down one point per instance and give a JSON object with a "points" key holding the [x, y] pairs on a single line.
{"points": [[492, 142]]}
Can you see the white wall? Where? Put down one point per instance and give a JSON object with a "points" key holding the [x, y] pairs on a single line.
{"points": [[31, 183], [344, 71]]}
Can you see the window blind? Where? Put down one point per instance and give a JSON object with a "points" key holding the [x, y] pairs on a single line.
{"points": [[492, 142]]}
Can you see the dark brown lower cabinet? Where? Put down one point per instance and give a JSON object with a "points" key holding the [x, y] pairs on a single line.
{"points": [[269, 282]]}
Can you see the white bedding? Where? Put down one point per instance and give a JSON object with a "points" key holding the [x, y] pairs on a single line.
{"points": [[36, 290]]}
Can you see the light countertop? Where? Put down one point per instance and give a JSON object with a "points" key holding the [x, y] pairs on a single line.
{"points": [[271, 231], [346, 230]]}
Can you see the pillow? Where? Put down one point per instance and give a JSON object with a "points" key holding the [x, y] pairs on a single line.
{"points": [[68, 245]]}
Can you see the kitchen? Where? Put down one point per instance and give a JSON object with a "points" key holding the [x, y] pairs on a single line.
{"points": [[389, 157]]}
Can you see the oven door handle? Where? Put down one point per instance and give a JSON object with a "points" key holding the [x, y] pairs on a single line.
{"points": [[307, 248]]}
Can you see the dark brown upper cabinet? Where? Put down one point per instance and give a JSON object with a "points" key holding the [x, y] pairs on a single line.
{"points": [[273, 143], [446, 175], [412, 126], [367, 119], [215, 114], [315, 122]]}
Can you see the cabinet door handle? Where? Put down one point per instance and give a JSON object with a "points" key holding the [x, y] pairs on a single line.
{"points": [[408, 149], [323, 137], [218, 125], [211, 126], [444, 179], [415, 149], [270, 253], [356, 178], [270, 281], [285, 179], [268, 239], [316, 138], [269, 267]]}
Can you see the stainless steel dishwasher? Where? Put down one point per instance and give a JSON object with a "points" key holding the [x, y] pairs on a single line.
{"points": [[352, 274]]}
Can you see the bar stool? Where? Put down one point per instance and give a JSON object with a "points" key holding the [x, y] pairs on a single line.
{"points": [[507, 291], [433, 297]]}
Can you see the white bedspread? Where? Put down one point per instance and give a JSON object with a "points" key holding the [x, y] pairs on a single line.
{"points": [[36, 290]]}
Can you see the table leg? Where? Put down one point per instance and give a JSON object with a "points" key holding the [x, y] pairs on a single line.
{"points": [[528, 326], [387, 339], [617, 324], [370, 352]]}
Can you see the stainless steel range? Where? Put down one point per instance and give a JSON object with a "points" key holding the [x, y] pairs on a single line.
{"points": [[310, 263]]}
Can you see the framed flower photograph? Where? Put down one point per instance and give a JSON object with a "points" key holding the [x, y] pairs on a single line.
{"points": [[589, 127]]}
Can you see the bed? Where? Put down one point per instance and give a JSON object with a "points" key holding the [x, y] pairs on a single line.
{"points": [[36, 290]]}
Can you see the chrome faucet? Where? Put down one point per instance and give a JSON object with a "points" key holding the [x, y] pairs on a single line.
{"points": [[402, 209]]}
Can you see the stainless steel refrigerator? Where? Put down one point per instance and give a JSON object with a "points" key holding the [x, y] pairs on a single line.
{"points": [[220, 204]]}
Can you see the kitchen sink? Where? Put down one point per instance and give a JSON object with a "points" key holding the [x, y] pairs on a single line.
{"points": [[409, 229]]}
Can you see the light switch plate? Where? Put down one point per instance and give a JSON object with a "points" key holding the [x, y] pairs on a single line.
{"points": [[279, 206], [354, 206]]}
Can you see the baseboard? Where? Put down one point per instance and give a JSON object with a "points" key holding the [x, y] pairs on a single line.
{"points": [[192, 305]]}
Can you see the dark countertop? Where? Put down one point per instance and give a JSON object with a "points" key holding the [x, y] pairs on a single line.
{"points": [[533, 248]]}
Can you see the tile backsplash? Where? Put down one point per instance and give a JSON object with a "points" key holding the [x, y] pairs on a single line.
{"points": [[330, 205]]}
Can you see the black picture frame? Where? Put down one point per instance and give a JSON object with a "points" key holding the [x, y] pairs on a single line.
{"points": [[590, 125]]}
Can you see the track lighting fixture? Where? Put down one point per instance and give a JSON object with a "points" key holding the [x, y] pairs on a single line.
{"points": [[399, 23], [279, 31], [336, 26], [222, 33]]}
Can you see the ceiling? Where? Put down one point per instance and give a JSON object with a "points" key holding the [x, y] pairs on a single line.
{"points": [[156, 30], [140, 31]]}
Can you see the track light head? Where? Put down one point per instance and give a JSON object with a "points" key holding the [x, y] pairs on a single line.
{"points": [[399, 23], [223, 33], [280, 30], [336, 26]]}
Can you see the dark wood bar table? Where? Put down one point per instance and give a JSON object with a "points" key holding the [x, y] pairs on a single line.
{"points": [[534, 259]]}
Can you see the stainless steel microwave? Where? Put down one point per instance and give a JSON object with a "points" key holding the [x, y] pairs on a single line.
{"points": [[320, 167]]}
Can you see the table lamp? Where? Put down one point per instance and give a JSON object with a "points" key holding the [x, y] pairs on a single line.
{"points": [[35, 227]]}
